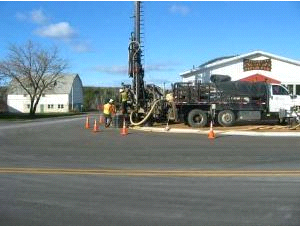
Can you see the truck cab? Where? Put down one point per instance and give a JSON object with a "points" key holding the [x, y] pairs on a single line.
{"points": [[280, 99]]}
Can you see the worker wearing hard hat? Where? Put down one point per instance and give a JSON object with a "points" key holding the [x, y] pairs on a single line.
{"points": [[109, 110], [124, 100]]}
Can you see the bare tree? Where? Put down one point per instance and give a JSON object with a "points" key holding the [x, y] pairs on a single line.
{"points": [[34, 69]]}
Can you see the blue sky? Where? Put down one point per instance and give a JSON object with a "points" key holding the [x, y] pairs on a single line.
{"points": [[94, 36]]}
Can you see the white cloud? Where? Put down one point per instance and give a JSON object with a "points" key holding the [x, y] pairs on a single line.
{"points": [[179, 9], [81, 47], [168, 66], [112, 70], [36, 16], [61, 30], [160, 67], [21, 16]]}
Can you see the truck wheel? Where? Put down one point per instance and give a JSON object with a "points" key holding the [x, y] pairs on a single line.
{"points": [[226, 118], [197, 118]]}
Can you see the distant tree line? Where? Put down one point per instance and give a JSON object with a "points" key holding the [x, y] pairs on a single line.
{"points": [[98, 96]]}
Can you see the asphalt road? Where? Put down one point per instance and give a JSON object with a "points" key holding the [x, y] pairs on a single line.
{"points": [[55, 172]]}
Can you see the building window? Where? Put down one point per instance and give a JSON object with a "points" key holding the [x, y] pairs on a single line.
{"points": [[60, 106], [43, 95], [28, 106], [24, 95], [50, 106], [297, 89]]}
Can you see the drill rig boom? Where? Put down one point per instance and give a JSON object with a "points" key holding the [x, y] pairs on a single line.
{"points": [[146, 99], [136, 70]]}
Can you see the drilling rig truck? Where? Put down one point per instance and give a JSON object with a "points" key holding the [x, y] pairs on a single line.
{"points": [[227, 102], [222, 100]]}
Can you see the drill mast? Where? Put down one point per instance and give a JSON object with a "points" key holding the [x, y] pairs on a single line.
{"points": [[136, 70], [147, 104]]}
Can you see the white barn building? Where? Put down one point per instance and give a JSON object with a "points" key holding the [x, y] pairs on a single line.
{"points": [[253, 66], [65, 97]]}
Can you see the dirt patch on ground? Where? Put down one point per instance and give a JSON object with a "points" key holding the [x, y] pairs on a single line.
{"points": [[263, 126]]}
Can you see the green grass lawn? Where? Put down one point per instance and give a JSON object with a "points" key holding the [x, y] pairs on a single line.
{"points": [[20, 116]]}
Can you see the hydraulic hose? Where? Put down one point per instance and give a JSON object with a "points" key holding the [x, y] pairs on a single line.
{"points": [[146, 117]]}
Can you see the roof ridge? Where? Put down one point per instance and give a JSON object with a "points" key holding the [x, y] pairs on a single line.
{"points": [[217, 59]]}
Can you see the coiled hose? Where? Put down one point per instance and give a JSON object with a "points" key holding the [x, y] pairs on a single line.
{"points": [[146, 117]]}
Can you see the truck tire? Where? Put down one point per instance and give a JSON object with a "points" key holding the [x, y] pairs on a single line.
{"points": [[226, 118], [197, 118]]}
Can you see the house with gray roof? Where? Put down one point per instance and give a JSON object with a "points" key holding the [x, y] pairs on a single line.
{"points": [[66, 96]]}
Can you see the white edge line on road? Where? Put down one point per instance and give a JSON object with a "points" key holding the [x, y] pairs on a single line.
{"points": [[221, 133]]}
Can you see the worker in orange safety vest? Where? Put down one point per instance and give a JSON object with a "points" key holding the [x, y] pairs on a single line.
{"points": [[108, 111]]}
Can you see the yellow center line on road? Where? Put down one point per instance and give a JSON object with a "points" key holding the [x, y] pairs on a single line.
{"points": [[155, 173]]}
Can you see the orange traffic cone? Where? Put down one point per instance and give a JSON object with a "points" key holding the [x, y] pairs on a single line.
{"points": [[95, 128], [124, 131], [211, 134], [87, 126]]}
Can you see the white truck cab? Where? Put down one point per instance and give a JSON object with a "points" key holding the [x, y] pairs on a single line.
{"points": [[282, 102], [279, 98]]}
